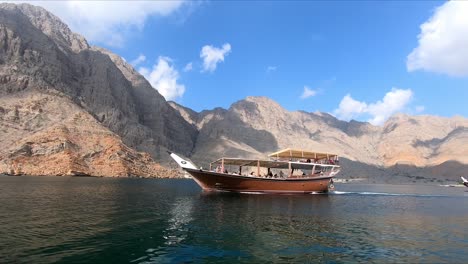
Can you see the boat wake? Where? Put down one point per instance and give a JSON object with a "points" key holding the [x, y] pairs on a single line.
{"points": [[385, 194], [281, 193]]}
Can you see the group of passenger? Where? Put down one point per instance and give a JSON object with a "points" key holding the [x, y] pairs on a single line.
{"points": [[322, 161], [269, 174]]}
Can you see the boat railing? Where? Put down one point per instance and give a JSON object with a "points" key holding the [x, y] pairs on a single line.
{"points": [[326, 170], [311, 161]]}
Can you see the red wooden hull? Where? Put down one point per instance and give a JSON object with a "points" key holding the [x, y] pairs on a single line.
{"points": [[213, 181]]}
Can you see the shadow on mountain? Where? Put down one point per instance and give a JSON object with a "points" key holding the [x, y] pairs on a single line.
{"points": [[435, 142], [402, 173], [352, 128], [229, 136]]}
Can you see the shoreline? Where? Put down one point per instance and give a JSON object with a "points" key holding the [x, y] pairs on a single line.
{"points": [[335, 180], [89, 176]]}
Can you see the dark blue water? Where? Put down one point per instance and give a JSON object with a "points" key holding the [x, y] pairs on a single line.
{"points": [[107, 220]]}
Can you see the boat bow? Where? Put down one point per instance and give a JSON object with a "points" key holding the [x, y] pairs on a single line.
{"points": [[185, 164]]}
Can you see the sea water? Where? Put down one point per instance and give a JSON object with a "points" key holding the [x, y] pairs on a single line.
{"points": [[117, 220]]}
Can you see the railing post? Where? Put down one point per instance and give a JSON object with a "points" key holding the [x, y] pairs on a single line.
{"points": [[258, 168]]}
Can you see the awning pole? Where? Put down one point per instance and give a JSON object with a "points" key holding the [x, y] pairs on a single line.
{"points": [[258, 168], [222, 165]]}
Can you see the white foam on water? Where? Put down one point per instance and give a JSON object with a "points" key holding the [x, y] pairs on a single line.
{"points": [[281, 193], [386, 194], [253, 192], [452, 185], [338, 192]]}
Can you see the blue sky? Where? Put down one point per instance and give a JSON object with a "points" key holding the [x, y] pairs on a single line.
{"points": [[350, 59]]}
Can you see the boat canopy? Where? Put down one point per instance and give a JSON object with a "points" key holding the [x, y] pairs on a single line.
{"points": [[274, 164], [251, 162], [302, 154]]}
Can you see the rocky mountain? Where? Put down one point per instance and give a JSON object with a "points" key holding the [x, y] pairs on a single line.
{"points": [[41, 58], [405, 146], [68, 108], [47, 134]]}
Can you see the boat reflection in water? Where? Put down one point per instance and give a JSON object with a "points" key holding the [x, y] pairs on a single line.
{"points": [[286, 171], [181, 215]]}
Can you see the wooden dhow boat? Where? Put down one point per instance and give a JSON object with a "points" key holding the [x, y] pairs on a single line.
{"points": [[286, 171]]}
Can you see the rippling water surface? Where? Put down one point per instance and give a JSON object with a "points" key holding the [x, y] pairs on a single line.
{"points": [[96, 220]]}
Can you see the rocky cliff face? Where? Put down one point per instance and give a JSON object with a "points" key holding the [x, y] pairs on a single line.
{"points": [[423, 140], [47, 134], [256, 126], [40, 55], [67, 108]]}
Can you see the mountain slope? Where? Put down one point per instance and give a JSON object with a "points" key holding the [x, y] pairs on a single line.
{"points": [[38, 53], [257, 126], [424, 140], [69, 108], [47, 134]]}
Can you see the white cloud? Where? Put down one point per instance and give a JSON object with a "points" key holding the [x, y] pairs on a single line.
{"points": [[350, 108], [271, 69], [163, 77], [394, 101], [443, 41], [308, 93], [420, 108], [141, 58], [212, 56], [188, 67], [107, 21]]}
